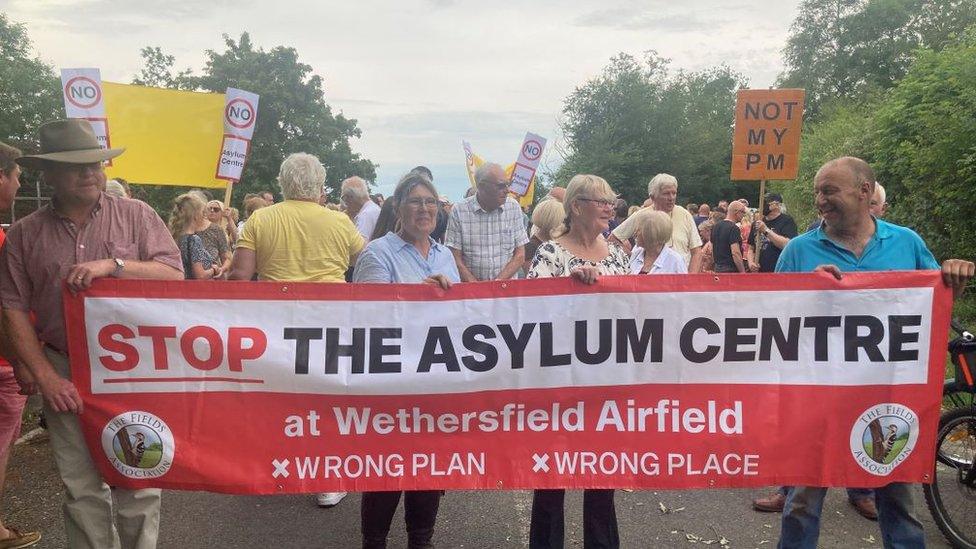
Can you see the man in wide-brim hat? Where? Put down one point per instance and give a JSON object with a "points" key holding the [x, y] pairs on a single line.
{"points": [[83, 234]]}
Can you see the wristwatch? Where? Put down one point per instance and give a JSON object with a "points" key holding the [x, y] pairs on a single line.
{"points": [[119, 267]]}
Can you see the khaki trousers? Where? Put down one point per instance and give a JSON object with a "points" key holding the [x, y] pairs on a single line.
{"points": [[88, 513]]}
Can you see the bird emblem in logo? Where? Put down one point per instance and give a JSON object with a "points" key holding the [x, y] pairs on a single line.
{"points": [[883, 437]]}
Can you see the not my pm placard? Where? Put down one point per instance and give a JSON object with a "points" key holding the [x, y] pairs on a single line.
{"points": [[766, 140]]}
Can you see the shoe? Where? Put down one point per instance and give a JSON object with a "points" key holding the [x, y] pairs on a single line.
{"points": [[770, 504], [327, 499], [866, 508], [18, 540]]}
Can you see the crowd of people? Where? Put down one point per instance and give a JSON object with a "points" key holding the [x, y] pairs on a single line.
{"points": [[92, 230]]}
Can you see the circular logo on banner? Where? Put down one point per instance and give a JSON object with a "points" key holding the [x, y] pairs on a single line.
{"points": [[82, 92], [139, 445], [532, 150], [883, 437], [239, 113]]}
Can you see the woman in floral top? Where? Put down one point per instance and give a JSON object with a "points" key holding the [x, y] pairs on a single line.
{"points": [[579, 250]]}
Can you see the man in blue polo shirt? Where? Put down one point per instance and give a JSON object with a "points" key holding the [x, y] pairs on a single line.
{"points": [[851, 239]]}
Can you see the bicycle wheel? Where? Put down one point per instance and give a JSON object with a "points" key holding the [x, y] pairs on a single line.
{"points": [[951, 501]]}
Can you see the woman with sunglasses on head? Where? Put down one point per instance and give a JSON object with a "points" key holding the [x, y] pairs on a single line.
{"points": [[407, 254], [580, 250], [214, 234]]}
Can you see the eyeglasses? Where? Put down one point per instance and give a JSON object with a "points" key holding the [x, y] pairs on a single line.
{"points": [[418, 203], [600, 202]]}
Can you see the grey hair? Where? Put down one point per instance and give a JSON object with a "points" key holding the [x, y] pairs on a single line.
{"points": [[879, 189], [301, 177], [356, 186], [408, 183], [481, 174], [660, 181]]}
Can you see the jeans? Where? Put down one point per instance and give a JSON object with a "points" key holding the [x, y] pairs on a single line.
{"points": [[900, 528], [853, 494], [547, 530], [420, 514]]}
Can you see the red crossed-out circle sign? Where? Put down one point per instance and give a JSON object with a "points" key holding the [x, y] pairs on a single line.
{"points": [[239, 113], [83, 92], [532, 150]]}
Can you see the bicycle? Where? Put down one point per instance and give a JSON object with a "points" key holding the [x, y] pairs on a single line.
{"points": [[951, 497]]}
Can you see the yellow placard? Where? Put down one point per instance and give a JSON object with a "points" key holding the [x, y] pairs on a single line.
{"points": [[170, 137]]}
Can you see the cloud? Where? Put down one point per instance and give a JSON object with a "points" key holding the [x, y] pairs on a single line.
{"points": [[631, 18]]}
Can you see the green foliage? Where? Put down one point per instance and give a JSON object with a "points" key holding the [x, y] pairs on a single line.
{"points": [[637, 119], [843, 49], [925, 149], [30, 94], [292, 116], [842, 130], [158, 72], [30, 91]]}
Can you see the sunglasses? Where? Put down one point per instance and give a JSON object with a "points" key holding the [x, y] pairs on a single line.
{"points": [[213, 209]]}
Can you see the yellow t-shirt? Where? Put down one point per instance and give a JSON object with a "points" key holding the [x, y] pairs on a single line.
{"points": [[298, 240]]}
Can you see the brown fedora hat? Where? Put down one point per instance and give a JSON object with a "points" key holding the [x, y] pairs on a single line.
{"points": [[70, 141]]}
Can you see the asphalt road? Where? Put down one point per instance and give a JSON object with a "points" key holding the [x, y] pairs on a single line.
{"points": [[488, 519]]}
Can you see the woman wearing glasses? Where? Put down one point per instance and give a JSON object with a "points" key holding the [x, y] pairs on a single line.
{"points": [[579, 250], [214, 235], [406, 255]]}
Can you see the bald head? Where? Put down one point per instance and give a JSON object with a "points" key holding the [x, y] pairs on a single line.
{"points": [[736, 211], [859, 170], [559, 193], [843, 191]]}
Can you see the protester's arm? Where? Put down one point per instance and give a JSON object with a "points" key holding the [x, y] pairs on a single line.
{"points": [[463, 270], [694, 265], [59, 393], [624, 244], [737, 256], [28, 386], [513, 265], [81, 275], [244, 264]]}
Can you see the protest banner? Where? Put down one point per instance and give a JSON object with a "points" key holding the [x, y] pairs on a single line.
{"points": [[766, 139], [240, 116], [83, 98], [527, 163], [170, 136], [647, 382]]}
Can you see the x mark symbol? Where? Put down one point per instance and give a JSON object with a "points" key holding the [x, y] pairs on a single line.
{"points": [[541, 463], [281, 468]]}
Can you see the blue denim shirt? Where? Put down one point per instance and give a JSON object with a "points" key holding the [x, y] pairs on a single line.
{"points": [[391, 259], [892, 248]]}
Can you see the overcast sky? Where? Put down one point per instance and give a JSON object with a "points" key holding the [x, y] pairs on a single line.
{"points": [[419, 75]]}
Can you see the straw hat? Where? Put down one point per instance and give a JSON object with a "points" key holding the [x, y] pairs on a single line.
{"points": [[69, 141]]}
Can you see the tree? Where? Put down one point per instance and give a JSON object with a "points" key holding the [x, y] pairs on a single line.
{"points": [[924, 148], [843, 49], [30, 94], [292, 116], [637, 119], [158, 72], [30, 91]]}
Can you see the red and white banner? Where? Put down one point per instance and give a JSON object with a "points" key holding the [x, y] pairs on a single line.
{"points": [[638, 381]]}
